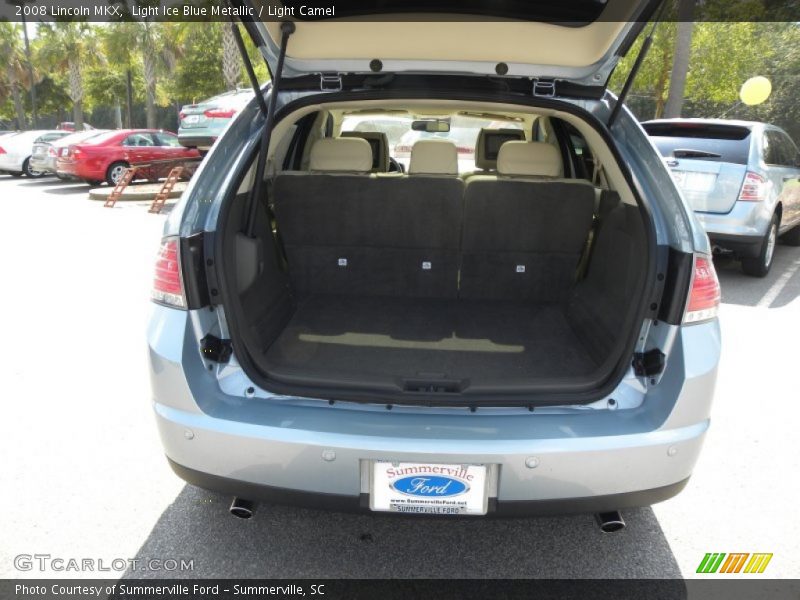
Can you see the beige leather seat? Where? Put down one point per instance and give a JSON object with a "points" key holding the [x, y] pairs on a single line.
{"points": [[525, 228], [340, 155], [379, 142], [349, 231], [487, 147], [433, 157]]}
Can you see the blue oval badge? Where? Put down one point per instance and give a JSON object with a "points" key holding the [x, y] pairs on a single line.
{"points": [[430, 486]]}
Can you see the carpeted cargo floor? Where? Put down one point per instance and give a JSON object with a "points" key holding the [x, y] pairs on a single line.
{"points": [[343, 338]]}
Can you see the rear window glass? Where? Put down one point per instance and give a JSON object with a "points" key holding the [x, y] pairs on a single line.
{"points": [[720, 143], [103, 137]]}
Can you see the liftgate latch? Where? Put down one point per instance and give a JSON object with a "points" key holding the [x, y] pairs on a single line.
{"points": [[648, 363], [213, 348]]}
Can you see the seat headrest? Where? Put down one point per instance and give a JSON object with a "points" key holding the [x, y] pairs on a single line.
{"points": [[379, 142], [529, 158], [433, 157], [487, 147], [341, 154]]}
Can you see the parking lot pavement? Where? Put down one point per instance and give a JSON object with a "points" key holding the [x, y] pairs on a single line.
{"points": [[84, 477]]}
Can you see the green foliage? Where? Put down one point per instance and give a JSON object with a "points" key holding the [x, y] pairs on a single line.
{"points": [[198, 72], [723, 55]]}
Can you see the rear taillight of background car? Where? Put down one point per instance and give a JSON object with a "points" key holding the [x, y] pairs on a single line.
{"points": [[167, 284], [754, 188], [218, 113], [52, 152], [2, 150], [705, 294], [181, 115]]}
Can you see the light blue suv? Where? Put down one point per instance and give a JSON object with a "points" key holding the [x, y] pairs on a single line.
{"points": [[742, 179], [537, 336]]}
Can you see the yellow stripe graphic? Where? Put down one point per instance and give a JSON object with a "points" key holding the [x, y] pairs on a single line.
{"points": [[758, 563]]}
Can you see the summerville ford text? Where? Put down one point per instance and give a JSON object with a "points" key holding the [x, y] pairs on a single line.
{"points": [[172, 590]]}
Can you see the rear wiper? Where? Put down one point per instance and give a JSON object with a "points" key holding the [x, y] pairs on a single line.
{"points": [[690, 153]]}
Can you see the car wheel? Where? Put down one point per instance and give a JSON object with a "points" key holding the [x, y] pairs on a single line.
{"points": [[26, 168], [760, 265], [115, 172], [792, 237]]}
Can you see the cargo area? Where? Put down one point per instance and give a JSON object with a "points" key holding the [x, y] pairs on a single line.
{"points": [[430, 286]]}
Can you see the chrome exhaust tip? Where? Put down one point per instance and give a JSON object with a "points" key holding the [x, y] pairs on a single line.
{"points": [[610, 522], [241, 508]]}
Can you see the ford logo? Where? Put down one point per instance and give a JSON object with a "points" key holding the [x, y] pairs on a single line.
{"points": [[430, 486]]}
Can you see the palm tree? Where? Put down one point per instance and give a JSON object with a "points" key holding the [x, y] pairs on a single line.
{"points": [[120, 40], [68, 46], [231, 61], [15, 74]]}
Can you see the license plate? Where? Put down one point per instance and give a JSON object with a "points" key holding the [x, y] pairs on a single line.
{"points": [[429, 488], [694, 182], [192, 119]]}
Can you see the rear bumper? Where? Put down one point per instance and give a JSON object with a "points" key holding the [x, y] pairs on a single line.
{"points": [[550, 460], [360, 503], [741, 230], [197, 141], [289, 465], [43, 165]]}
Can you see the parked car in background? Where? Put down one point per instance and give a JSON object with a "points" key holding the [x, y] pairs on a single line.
{"points": [[16, 149], [70, 126], [45, 154], [105, 157], [201, 124], [742, 179]]}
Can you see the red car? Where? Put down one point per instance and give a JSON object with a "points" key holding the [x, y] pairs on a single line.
{"points": [[106, 156]]}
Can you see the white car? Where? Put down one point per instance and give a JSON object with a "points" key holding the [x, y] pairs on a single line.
{"points": [[15, 150]]}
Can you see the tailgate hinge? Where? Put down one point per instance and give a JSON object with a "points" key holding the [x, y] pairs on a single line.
{"points": [[330, 82], [646, 364], [215, 349], [544, 88]]}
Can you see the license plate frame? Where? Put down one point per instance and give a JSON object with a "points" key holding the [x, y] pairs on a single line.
{"points": [[445, 489]]}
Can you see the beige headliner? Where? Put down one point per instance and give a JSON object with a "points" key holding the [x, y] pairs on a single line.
{"points": [[491, 41], [614, 176]]}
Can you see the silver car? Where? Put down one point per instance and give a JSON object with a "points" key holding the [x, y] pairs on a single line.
{"points": [[537, 335], [45, 153], [742, 179]]}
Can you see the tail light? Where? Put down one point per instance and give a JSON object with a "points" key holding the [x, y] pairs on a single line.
{"points": [[181, 115], [705, 294], [217, 113], [753, 188], [2, 150], [52, 152], [167, 284]]}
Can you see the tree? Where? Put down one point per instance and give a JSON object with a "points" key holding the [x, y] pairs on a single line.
{"points": [[119, 42], [680, 59], [70, 47], [15, 72], [231, 60], [199, 73]]}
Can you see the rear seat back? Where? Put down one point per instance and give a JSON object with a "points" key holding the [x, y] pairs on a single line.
{"points": [[524, 230], [348, 233]]}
